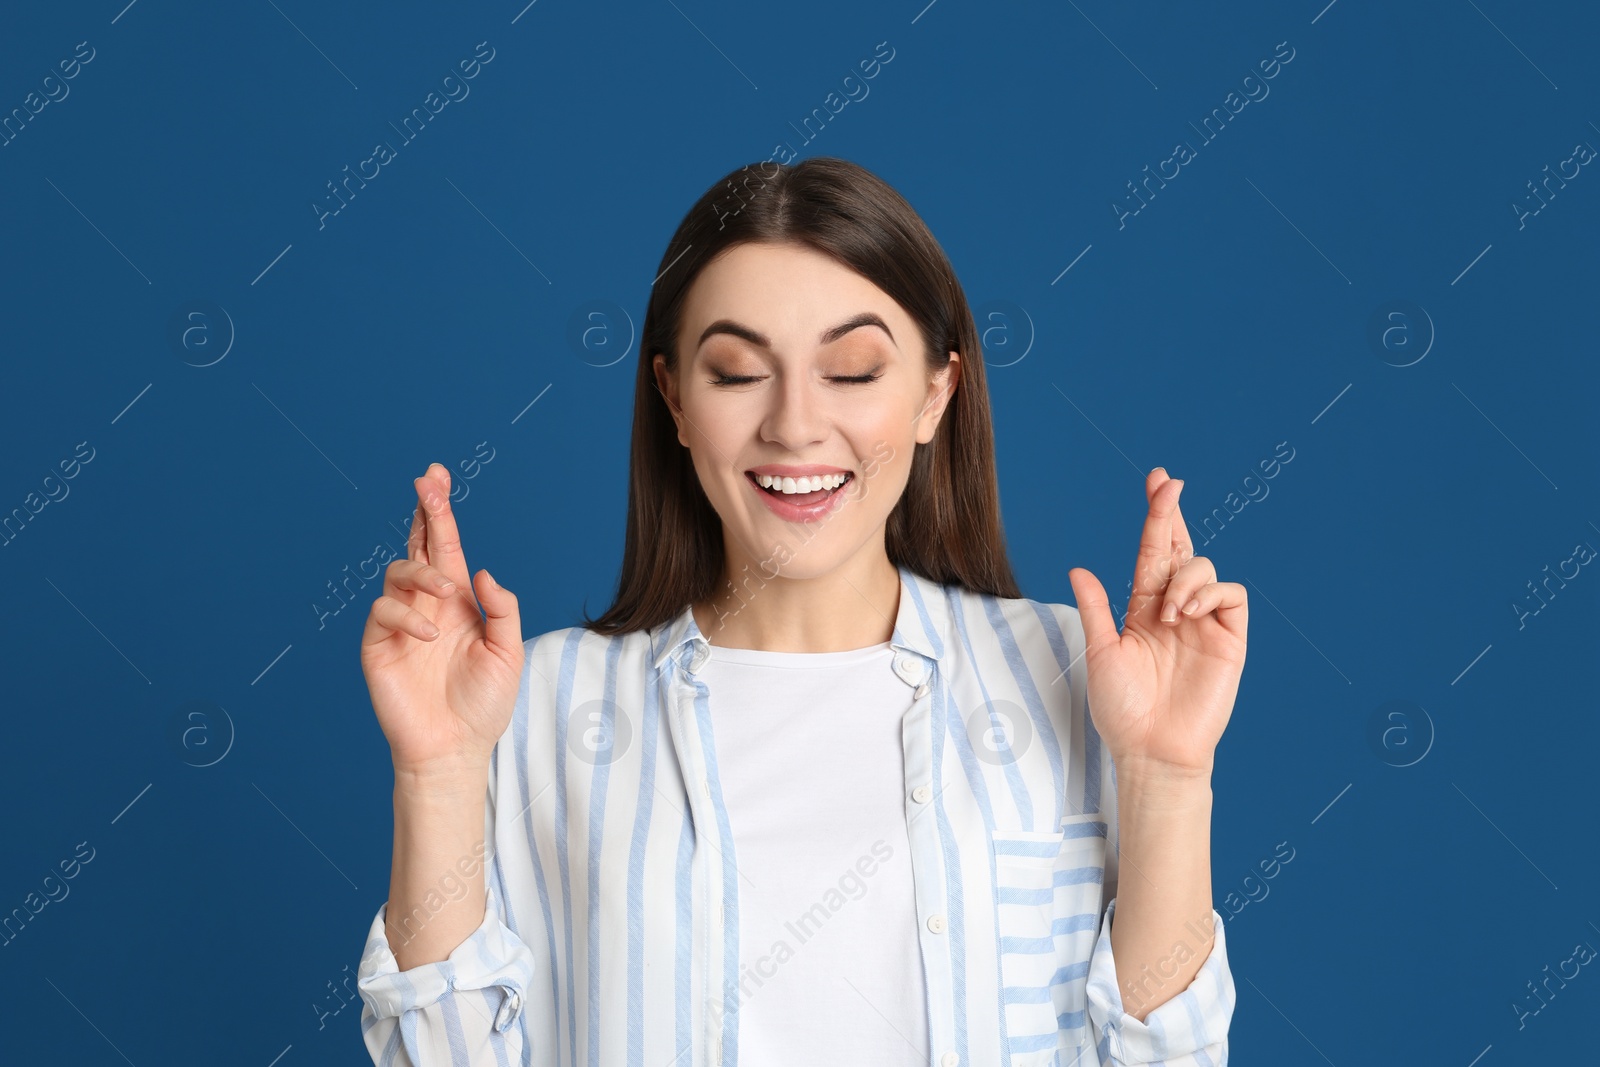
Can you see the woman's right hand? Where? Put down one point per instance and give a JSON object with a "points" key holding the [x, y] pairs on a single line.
{"points": [[443, 681]]}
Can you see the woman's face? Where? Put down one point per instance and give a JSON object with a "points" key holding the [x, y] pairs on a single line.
{"points": [[790, 326]]}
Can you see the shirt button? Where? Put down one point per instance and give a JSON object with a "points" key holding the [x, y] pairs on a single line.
{"points": [[921, 794], [936, 923], [705, 786], [950, 1059], [922, 690]]}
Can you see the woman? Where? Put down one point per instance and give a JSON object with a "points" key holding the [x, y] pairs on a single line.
{"points": [[821, 785]]}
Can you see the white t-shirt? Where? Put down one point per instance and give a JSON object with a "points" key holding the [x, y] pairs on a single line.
{"points": [[810, 757]]}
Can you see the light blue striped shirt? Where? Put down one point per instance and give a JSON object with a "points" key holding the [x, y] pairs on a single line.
{"points": [[611, 932]]}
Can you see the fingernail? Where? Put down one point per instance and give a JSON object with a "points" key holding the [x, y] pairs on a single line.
{"points": [[447, 585], [1163, 470], [1169, 612], [430, 629], [1192, 606]]}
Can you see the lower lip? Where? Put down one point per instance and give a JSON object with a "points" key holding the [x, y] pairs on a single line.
{"points": [[789, 511]]}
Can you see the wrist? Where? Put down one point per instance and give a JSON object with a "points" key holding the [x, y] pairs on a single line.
{"points": [[1145, 802], [441, 779], [1159, 777]]}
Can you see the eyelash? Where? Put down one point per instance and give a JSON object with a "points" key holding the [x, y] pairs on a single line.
{"points": [[742, 379]]}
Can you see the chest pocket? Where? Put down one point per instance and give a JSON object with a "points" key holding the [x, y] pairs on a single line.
{"points": [[1048, 900]]}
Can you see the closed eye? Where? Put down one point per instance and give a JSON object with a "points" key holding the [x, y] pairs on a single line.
{"points": [[744, 379]]}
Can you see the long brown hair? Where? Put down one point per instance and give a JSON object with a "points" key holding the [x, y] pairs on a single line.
{"points": [[946, 524]]}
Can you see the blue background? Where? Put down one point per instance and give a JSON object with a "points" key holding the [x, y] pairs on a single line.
{"points": [[1425, 747]]}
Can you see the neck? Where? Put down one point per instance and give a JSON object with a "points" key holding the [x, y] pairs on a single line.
{"points": [[852, 606]]}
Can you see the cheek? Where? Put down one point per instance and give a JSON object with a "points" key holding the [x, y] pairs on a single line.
{"points": [[885, 443], [889, 471], [717, 478], [884, 452], [719, 435]]}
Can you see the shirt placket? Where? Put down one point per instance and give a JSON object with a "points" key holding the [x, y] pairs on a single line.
{"points": [[691, 746], [927, 864]]}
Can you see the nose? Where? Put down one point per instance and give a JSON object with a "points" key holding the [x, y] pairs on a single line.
{"points": [[797, 417]]}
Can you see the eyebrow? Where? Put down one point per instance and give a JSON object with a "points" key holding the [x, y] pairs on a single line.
{"points": [[827, 337]]}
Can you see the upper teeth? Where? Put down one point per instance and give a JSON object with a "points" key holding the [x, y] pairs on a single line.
{"points": [[802, 485]]}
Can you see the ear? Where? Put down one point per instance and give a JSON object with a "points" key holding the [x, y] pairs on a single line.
{"points": [[668, 388], [941, 387]]}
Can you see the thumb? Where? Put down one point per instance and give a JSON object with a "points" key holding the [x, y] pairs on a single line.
{"points": [[1094, 609], [503, 625]]}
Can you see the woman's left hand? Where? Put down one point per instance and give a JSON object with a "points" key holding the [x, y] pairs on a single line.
{"points": [[1160, 692]]}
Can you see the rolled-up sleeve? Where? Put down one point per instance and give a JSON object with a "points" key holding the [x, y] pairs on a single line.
{"points": [[469, 1008], [463, 1009], [1189, 1030]]}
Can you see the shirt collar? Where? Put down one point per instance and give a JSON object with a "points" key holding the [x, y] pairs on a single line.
{"points": [[921, 623]]}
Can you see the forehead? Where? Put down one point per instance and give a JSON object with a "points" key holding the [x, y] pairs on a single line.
{"points": [[788, 292]]}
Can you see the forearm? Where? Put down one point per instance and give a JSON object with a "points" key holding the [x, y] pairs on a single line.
{"points": [[438, 846], [1161, 931]]}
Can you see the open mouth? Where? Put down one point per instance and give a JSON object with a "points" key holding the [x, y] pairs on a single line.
{"points": [[799, 497]]}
